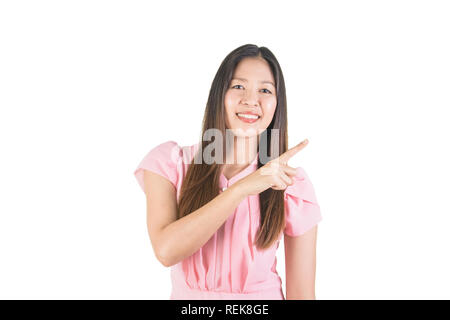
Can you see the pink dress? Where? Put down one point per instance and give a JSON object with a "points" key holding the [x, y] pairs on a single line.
{"points": [[229, 266]]}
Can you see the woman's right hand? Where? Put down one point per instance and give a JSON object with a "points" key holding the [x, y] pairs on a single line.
{"points": [[275, 174]]}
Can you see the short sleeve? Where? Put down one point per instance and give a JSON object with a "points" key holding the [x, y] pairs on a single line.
{"points": [[161, 160], [302, 212]]}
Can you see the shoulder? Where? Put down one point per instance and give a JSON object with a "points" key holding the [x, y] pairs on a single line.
{"points": [[301, 206], [302, 187], [168, 151], [162, 159]]}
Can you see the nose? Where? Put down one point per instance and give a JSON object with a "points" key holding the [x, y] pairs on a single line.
{"points": [[250, 98]]}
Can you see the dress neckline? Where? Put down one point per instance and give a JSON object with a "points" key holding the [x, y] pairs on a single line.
{"points": [[224, 182], [247, 170]]}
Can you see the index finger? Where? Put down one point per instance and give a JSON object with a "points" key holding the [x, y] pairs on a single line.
{"points": [[284, 158]]}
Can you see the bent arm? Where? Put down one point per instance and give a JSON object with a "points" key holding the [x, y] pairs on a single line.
{"points": [[174, 240]]}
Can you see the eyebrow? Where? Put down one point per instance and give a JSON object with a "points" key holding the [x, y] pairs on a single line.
{"points": [[242, 79]]}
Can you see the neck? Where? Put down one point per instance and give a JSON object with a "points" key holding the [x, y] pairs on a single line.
{"points": [[245, 150]]}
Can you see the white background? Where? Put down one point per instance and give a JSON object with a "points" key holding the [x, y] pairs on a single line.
{"points": [[87, 88]]}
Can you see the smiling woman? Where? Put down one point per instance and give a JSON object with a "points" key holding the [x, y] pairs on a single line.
{"points": [[218, 225]]}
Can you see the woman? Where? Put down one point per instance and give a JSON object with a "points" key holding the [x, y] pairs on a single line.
{"points": [[217, 221]]}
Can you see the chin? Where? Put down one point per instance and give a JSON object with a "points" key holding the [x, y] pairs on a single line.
{"points": [[246, 131]]}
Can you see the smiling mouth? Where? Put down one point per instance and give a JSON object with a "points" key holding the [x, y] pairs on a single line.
{"points": [[248, 118]]}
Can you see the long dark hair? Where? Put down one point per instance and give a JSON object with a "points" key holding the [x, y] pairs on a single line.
{"points": [[201, 183]]}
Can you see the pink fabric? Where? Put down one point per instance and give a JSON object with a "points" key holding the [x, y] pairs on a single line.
{"points": [[229, 266]]}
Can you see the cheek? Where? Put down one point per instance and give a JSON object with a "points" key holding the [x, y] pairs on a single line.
{"points": [[269, 109], [230, 99], [229, 107], [230, 102]]}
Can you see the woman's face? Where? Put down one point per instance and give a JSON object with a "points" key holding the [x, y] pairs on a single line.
{"points": [[252, 90]]}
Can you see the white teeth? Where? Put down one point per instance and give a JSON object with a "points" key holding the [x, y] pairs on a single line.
{"points": [[249, 116]]}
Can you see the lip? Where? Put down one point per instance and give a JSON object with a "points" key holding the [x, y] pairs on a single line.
{"points": [[248, 120], [247, 112]]}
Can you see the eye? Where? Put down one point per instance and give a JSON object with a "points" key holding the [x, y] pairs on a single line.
{"points": [[268, 91]]}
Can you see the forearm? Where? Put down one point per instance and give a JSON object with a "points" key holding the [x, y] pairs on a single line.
{"points": [[296, 291], [290, 295], [186, 235]]}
